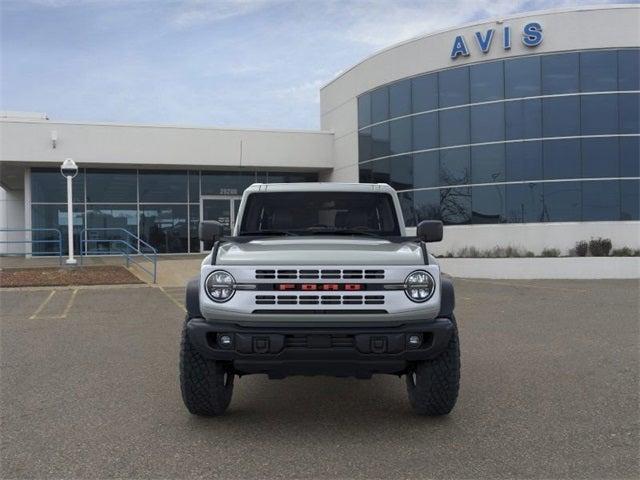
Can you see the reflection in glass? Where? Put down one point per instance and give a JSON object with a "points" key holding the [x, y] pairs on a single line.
{"points": [[364, 145], [426, 169], [424, 93], [487, 81], [524, 203], [163, 186], [598, 71], [194, 222], [455, 205], [487, 164], [165, 227], [561, 116], [380, 140], [112, 186], [629, 113], [365, 174], [55, 216], [454, 166], [426, 205], [488, 204], [599, 114], [487, 123], [630, 200], [401, 172], [562, 202], [194, 186], [364, 110], [522, 77], [114, 218], [49, 186], [561, 159], [630, 157], [600, 200], [454, 127], [523, 161], [379, 104], [453, 87], [600, 157], [400, 135], [400, 99], [381, 171], [425, 131], [629, 69], [560, 73], [523, 119]]}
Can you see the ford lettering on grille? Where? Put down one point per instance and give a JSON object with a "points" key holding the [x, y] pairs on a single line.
{"points": [[320, 287]]}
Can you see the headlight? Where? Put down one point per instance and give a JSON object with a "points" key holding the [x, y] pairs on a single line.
{"points": [[220, 286], [419, 286]]}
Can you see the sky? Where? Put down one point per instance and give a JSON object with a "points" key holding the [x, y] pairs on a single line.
{"points": [[227, 63]]}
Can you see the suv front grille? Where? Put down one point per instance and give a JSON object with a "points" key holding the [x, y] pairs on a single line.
{"points": [[319, 299], [320, 274]]}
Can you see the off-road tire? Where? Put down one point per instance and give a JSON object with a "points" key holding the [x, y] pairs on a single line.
{"points": [[206, 385], [433, 385]]}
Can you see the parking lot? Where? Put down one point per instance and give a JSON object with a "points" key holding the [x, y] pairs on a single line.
{"points": [[89, 389]]}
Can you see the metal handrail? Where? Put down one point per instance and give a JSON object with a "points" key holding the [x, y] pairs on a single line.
{"points": [[32, 241], [151, 256]]}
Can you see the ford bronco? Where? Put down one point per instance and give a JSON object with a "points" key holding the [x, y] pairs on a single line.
{"points": [[319, 279]]}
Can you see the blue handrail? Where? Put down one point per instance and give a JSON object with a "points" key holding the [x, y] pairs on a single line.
{"points": [[32, 241], [151, 256]]}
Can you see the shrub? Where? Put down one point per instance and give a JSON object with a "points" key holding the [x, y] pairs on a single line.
{"points": [[600, 247], [550, 252], [625, 252], [581, 248]]}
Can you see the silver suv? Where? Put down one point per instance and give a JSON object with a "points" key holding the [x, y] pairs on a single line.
{"points": [[319, 279]]}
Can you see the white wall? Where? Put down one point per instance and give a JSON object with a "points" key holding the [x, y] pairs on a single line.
{"points": [[11, 217], [535, 236], [29, 141]]}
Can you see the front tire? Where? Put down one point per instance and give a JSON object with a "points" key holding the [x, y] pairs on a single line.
{"points": [[206, 385], [433, 385]]}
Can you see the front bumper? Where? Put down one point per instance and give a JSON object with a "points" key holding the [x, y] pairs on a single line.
{"points": [[344, 351]]}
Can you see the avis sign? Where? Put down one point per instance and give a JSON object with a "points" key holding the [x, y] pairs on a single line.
{"points": [[531, 37]]}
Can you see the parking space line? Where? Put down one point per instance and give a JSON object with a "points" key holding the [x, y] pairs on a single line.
{"points": [[170, 297], [69, 303], [42, 305]]}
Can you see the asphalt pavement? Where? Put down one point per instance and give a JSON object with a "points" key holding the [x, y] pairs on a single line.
{"points": [[549, 389]]}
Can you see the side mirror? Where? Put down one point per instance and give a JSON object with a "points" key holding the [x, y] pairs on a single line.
{"points": [[209, 232], [429, 230]]}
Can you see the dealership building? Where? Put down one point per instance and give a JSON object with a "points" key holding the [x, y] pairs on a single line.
{"points": [[520, 131]]}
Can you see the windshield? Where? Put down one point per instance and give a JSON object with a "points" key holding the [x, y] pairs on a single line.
{"points": [[317, 213]]}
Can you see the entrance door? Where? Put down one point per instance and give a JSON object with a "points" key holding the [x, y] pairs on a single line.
{"points": [[221, 209]]}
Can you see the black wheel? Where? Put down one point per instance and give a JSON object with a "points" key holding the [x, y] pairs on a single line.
{"points": [[433, 385], [206, 385]]}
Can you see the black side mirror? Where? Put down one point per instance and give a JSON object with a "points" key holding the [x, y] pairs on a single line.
{"points": [[429, 230], [209, 232]]}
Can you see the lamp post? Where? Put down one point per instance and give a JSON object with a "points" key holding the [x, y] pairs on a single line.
{"points": [[69, 169]]}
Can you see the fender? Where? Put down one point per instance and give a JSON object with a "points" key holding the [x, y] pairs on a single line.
{"points": [[192, 300], [447, 299]]}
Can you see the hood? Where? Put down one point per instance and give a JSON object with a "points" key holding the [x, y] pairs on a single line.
{"points": [[323, 250]]}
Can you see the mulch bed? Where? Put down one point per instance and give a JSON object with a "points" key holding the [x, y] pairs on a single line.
{"points": [[56, 276]]}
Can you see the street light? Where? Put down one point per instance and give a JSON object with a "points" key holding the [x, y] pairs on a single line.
{"points": [[69, 169]]}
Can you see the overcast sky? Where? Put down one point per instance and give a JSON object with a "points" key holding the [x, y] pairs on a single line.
{"points": [[243, 63]]}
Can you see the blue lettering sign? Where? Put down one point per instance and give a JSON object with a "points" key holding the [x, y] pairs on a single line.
{"points": [[459, 48], [485, 43], [506, 38], [532, 35]]}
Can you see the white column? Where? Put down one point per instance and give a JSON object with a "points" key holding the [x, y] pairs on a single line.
{"points": [[70, 260]]}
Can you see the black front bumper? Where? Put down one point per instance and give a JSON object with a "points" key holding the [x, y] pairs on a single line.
{"points": [[343, 351]]}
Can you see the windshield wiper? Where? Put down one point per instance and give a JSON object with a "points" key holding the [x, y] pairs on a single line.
{"points": [[259, 233]]}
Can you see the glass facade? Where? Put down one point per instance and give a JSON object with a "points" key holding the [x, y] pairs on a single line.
{"points": [[162, 207], [548, 138]]}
